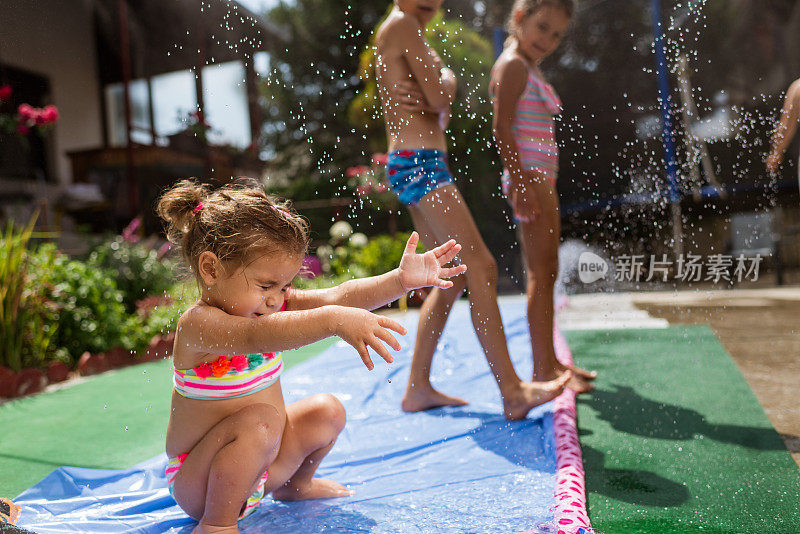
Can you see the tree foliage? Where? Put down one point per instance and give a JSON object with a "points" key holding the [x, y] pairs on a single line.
{"points": [[311, 81]]}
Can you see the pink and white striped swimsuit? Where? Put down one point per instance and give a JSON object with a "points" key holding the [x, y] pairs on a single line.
{"points": [[534, 129], [259, 372]]}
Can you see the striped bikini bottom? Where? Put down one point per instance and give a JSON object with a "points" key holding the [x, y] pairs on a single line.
{"points": [[174, 465]]}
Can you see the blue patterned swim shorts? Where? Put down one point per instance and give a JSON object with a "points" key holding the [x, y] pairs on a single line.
{"points": [[413, 173]]}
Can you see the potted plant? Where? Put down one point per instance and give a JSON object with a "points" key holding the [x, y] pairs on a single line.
{"points": [[193, 139]]}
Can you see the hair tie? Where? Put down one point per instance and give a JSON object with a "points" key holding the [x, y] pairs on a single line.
{"points": [[198, 208]]}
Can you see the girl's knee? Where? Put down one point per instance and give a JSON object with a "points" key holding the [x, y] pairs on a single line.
{"points": [[459, 285], [482, 269], [329, 410], [450, 295], [542, 276], [261, 420], [531, 280]]}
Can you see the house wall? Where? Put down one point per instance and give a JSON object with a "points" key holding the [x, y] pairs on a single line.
{"points": [[56, 39]]}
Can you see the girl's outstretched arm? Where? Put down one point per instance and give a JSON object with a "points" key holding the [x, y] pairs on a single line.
{"points": [[786, 127], [206, 332], [415, 271], [508, 83], [510, 77]]}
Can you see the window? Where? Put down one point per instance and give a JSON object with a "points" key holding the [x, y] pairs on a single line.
{"points": [[261, 63], [140, 116], [225, 100], [174, 96]]}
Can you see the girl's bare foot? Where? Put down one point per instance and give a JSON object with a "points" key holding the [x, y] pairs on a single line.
{"points": [[529, 395], [581, 373], [211, 529], [317, 488], [418, 399], [579, 383]]}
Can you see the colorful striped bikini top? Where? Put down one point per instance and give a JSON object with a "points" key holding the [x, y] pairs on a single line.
{"points": [[227, 378], [533, 127]]}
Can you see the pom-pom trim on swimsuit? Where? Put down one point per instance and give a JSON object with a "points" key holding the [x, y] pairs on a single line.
{"points": [[222, 365], [226, 377]]}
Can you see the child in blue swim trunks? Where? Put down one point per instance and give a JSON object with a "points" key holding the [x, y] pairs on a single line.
{"points": [[416, 90], [415, 173]]}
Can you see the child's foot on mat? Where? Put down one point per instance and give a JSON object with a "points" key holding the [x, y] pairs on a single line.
{"points": [[579, 383], [581, 373], [318, 488], [419, 399], [518, 403], [212, 529]]}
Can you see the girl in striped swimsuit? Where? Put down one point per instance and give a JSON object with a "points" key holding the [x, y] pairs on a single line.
{"points": [[524, 106], [231, 439]]}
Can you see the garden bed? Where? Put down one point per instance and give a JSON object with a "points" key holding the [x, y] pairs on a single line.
{"points": [[62, 316], [30, 380]]}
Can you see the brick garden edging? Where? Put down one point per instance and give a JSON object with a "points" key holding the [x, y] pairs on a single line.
{"points": [[33, 380]]}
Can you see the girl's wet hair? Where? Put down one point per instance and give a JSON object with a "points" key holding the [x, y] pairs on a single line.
{"points": [[235, 222], [529, 7]]}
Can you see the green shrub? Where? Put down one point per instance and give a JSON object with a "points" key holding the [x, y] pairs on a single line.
{"points": [[382, 253], [91, 314], [345, 262], [321, 282], [28, 319], [163, 318], [137, 269]]}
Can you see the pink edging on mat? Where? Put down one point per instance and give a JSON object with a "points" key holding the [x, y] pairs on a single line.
{"points": [[569, 512]]}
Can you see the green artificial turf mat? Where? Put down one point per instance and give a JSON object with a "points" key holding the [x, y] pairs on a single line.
{"points": [[674, 440], [110, 421]]}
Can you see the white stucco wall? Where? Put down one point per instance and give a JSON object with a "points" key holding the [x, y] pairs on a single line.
{"points": [[55, 38]]}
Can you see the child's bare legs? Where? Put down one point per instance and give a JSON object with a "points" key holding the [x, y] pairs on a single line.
{"points": [[540, 239], [222, 470], [312, 426], [420, 394], [447, 217]]}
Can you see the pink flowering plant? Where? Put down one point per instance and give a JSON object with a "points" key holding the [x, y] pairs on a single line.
{"points": [[196, 123], [27, 118], [371, 185]]}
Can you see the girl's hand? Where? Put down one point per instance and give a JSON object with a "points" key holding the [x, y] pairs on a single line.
{"points": [[409, 96], [524, 201], [774, 162], [363, 329], [449, 79], [424, 270], [450, 83]]}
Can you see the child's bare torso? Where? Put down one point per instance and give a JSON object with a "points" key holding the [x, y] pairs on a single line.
{"points": [[404, 128], [191, 419]]}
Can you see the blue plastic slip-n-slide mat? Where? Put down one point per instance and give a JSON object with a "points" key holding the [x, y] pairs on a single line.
{"points": [[447, 470]]}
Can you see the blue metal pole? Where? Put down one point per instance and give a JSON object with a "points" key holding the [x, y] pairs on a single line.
{"points": [[663, 93], [498, 39]]}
